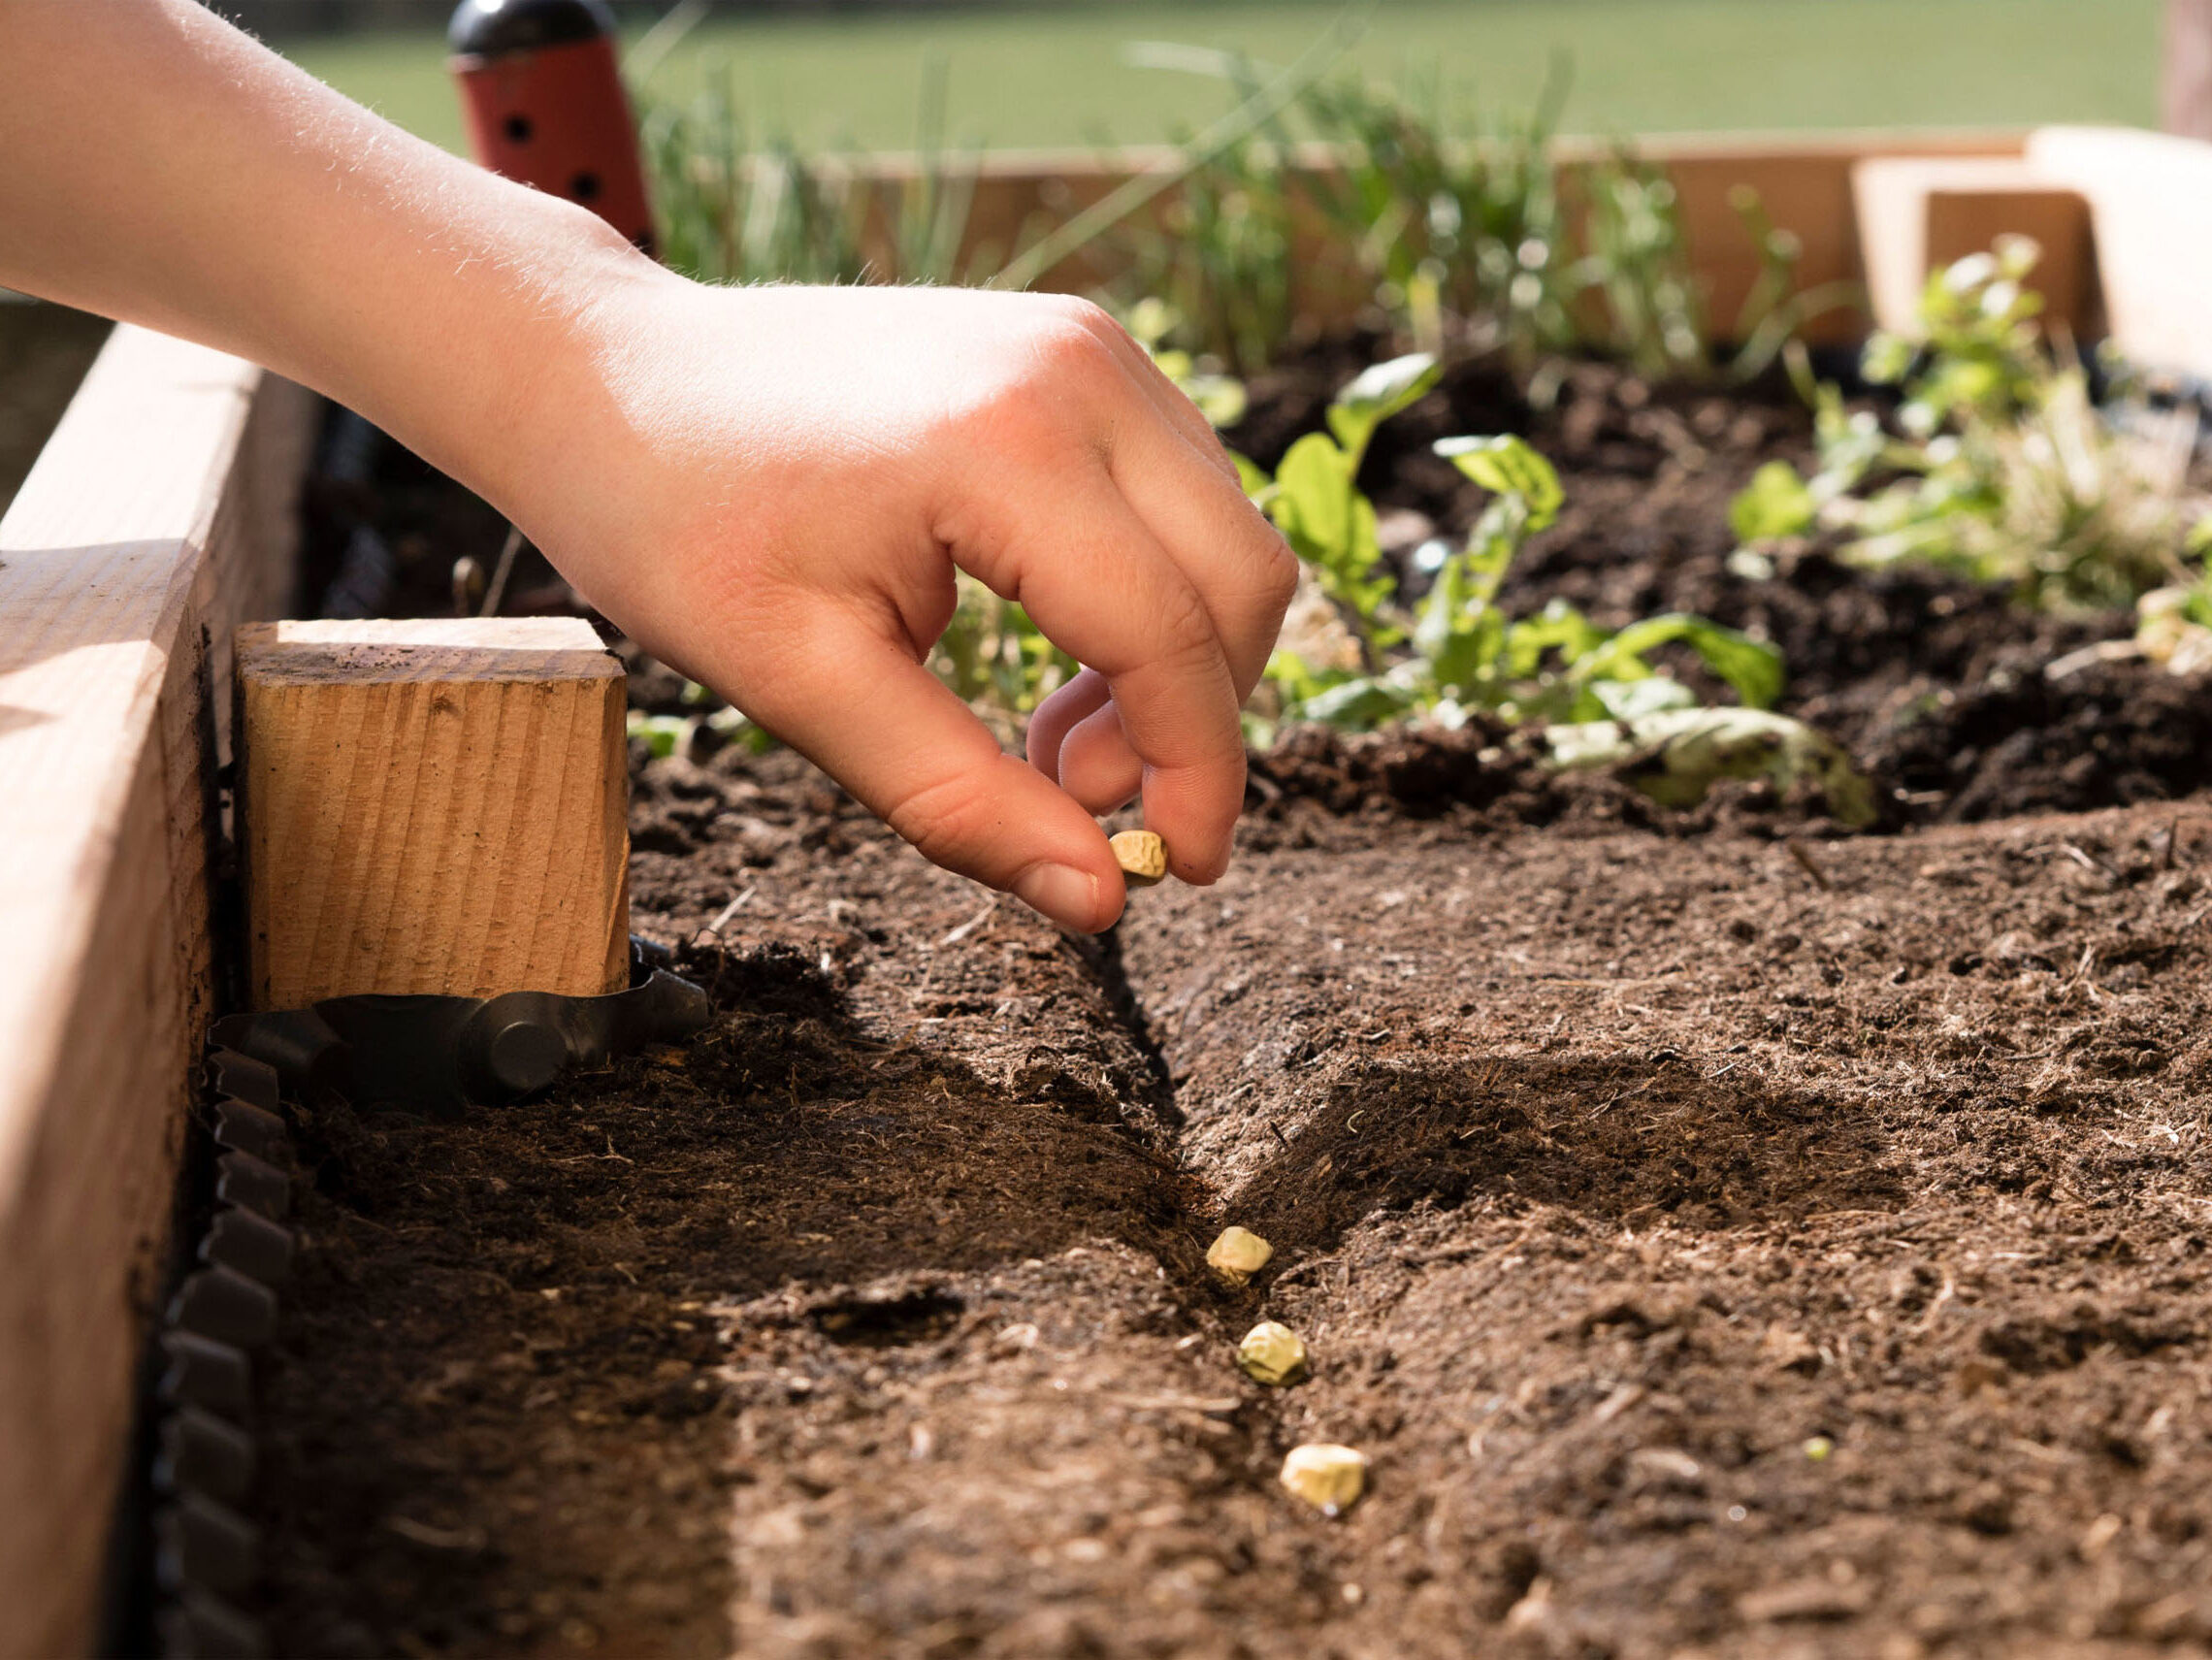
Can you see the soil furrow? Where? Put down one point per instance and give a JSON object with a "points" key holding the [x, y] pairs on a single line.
{"points": [[874, 1321], [1713, 1249]]}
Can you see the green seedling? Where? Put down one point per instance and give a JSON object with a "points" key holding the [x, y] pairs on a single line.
{"points": [[994, 657], [1599, 692], [1454, 228], [665, 736], [1316, 500], [1997, 464], [1675, 756], [741, 206]]}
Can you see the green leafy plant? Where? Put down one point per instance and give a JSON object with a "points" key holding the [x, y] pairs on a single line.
{"points": [[1316, 502], [1598, 693], [996, 658], [1998, 463], [1456, 230], [739, 207], [712, 725]]}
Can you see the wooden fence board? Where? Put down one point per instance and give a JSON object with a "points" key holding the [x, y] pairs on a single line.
{"points": [[1803, 181], [158, 515]]}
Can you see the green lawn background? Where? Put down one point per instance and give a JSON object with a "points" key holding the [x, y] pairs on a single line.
{"points": [[1056, 78]]}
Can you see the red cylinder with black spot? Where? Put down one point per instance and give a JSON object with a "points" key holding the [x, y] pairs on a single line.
{"points": [[544, 102]]}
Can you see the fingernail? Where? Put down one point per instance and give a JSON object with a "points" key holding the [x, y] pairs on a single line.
{"points": [[1062, 891]]}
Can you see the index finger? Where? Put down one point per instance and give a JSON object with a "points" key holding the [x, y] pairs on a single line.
{"points": [[1093, 576]]}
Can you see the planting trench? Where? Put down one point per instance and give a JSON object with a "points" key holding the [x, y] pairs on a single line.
{"points": [[1717, 1242]]}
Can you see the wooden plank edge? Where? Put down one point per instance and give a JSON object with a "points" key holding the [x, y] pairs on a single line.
{"points": [[2150, 203], [1803, 179], [1918, 214], [159, 514]]}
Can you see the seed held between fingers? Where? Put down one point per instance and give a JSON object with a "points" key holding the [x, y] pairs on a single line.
{"points": [[1140, 854]]}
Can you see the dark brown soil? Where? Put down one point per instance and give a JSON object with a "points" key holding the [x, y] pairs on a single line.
{"points": [[1721, 1242], [1934, 683], [1605, 1172]]}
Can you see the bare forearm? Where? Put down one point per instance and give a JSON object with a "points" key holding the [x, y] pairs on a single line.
{"points": [[770, 487], [160, 167]]}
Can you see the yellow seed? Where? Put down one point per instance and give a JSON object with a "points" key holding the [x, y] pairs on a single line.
{"points": [[1237, 1255], [1140, 854], [1327, 1476], [1272, 1354]]}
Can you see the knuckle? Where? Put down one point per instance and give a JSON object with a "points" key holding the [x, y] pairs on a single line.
{"points": [[944, 821], [1087, 314], [1070, 348], [1187, 628], [1280, 570]]}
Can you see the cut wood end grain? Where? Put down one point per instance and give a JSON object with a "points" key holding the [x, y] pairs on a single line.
{"points": [[431, 806], [419, 649]]}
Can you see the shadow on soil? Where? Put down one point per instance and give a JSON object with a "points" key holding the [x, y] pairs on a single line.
{"points": [[1584, 1134]]}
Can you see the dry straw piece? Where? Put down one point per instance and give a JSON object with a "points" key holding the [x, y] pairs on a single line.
{"points": [[1327, 1476], [1140, 854], [1237, 1255], [1272, 1354]]}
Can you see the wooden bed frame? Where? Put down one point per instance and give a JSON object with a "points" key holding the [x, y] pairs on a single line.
{"points": [[163, 511]]}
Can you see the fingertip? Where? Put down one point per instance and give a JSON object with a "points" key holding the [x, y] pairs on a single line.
{"points": [[1202, 875], [1082, 901], [1195, 811], [1056, 716], [1098, 766]]}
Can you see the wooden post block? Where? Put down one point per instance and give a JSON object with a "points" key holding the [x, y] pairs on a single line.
{"points": [[2151, 196], [1918, 214], [434, 805]]}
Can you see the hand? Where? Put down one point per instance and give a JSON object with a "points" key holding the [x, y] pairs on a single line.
{"points": [[770, 488]]}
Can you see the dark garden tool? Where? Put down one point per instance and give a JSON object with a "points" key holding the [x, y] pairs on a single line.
{"points": [[437, 1054]]}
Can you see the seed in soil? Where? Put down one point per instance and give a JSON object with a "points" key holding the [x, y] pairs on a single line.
{"points": [[1328, 1476], [1272, 1354], [1237, 1255], [1140, 854]]}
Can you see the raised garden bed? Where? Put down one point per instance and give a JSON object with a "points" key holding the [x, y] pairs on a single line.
{"points": [[1720, 1232]]}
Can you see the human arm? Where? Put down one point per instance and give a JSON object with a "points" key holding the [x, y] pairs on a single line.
{"points": [[769, 487]]}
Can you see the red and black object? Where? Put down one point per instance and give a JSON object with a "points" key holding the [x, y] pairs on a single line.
{"points": [[545, 105]]}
